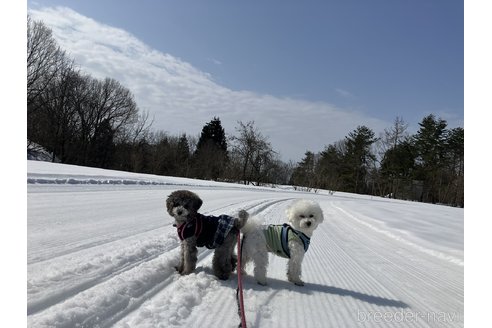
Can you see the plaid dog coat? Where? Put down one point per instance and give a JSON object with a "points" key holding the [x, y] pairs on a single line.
{"points": [[210, 231]]}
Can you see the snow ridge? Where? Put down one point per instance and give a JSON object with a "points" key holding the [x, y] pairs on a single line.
{"points": [[95, 181]]}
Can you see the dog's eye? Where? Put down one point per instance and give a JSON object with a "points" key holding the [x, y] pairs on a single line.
{"points": [[302, 216], [311, 216]]}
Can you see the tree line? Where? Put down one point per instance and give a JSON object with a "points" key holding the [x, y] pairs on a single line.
{"points": [[427, 166], [87, 121]]}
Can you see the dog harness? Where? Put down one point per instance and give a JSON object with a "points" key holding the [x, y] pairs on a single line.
{"points": [[277, 238], [210, 231]]}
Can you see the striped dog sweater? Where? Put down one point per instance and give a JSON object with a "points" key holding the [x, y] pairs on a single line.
{"points": [[277, 238]]}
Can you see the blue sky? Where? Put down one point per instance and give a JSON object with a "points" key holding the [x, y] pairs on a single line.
{"points": [[358, 62]]}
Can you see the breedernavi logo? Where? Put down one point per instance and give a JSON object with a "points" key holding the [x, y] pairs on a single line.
{"points": [[408, 316]]}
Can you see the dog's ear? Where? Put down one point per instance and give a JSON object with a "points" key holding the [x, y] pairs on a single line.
{"points": [[288, 213], [321, 215], [170, 204], [294, 209], [196, 203]]}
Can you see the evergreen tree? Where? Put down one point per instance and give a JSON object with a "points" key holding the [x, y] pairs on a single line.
{"points": [[396, 159], [430, 150], [358, 158], [329, 168], [211, 157], [183, 156], [397, 168], [304, 173], [102, 147], [455, 166], [213, 133]]}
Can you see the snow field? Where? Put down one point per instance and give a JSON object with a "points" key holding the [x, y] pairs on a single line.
{"points": [[103, 255]]}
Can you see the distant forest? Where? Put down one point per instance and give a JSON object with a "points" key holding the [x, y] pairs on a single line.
{"points": [[96, 122]]}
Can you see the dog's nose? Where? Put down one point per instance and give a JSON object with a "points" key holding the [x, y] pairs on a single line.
{"points": [[308, 223]]}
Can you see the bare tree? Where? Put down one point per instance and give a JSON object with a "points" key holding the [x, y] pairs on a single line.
{"points": [[107, 102], [132, 133], [44, 59], [252, 152], [53, 123]]}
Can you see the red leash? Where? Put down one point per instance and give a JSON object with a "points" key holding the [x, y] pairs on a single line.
{"points": [[239, 291]]}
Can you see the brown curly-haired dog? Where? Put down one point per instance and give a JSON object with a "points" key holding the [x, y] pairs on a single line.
{"points": [[197, 230]]}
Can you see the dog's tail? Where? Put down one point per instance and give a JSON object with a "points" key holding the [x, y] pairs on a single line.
{"points": [[254, 223], [242, 219]]}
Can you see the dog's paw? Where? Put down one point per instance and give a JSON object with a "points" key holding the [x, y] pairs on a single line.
{"points": [[296, 281], [186, 272], [261, 283], [223, 276], [182, 271]]}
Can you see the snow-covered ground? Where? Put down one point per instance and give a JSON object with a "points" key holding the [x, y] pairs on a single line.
{"points": [[101, 250]]}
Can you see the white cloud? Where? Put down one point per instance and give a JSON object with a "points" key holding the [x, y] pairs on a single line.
{"points": [[343, 93], [183, 98], [215, 61]]}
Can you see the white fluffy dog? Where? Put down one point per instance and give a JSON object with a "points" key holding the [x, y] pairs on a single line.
{"points": [[287, 240]]}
